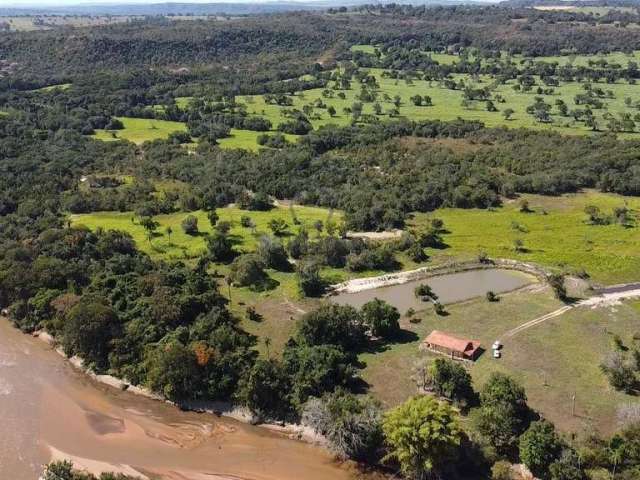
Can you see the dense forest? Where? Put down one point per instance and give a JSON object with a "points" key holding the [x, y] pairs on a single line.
{"points": [[168, 325]]}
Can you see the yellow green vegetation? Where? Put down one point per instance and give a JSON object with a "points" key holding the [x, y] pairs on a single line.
{"points": [[51, 88], [248, 139], [448, 104], [179, 245], [553, 360], [140, 130], [555, 233]]}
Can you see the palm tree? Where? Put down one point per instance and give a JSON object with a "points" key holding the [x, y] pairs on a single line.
{"points": [[169, 231]]}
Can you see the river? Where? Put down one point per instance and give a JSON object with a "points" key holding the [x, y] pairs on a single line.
{"points": [[450, 288], [50, 410]]}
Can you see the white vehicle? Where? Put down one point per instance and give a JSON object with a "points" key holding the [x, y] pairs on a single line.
{"points": [[497, 345], [496, 354]]}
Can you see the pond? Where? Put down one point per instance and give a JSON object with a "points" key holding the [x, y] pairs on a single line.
{"points": [[450, 288]]}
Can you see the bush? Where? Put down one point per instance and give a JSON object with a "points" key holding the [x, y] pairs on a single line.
{"points": [[309, 280], [351, 424], [190, 225], [248, 270], [273, 254]]}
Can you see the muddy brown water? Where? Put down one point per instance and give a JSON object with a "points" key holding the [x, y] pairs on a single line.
{"points": [[450, 288], [50, 410]]}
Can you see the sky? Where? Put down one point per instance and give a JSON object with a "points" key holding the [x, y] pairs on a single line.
{"points": [[63, 3]]}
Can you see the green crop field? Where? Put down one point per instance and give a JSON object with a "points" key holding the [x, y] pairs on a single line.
{"points": [[555, 234], [573, 345], [140, 130]]}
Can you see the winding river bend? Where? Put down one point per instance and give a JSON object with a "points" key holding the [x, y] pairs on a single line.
{"points": [[50, 410]]}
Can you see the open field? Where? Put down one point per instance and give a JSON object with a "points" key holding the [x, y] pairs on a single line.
{"points": [[181, 245], [248, 139], [51, 88], [29, 23], [560, 238], [447, 103], [140, 130], [573, 346]]}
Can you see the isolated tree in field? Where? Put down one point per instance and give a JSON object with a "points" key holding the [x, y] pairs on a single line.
{"points": [[272, 253], [309, 280], [397, 101], [248, 270], [278, 226], [540, 447], [219, 246], [223, 227], [381, 318], [507, 113], [150, 226], [168, 231], [422, 435], [213, 217], [518, 245], [190, 225], [331, 111]]}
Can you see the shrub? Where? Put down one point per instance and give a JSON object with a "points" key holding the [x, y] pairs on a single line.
{"points": [[190, 225]]}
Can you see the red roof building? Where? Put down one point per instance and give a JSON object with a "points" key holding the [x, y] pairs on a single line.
{"points": [[455, 347]]}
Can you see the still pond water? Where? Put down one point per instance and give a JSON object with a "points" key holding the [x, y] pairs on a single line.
{"points": [[450, 288]]}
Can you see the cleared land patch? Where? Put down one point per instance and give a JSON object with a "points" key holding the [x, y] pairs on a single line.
{"points": [[554, 360], [140, 130], [556, 234]]}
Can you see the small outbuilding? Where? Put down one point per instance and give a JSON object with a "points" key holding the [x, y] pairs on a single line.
{"points": [[455, 347]]}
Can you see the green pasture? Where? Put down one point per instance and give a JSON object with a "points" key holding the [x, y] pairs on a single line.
{"points": [[555, 234], [182, 246], [553, 360], [140, 130], [52, 88], [447, 104], [248, 139]]}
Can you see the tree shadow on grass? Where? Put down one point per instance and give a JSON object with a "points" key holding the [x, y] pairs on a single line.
{"points": [[379, 345]]}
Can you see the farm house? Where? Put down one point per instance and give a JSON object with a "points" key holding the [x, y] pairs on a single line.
{"points": [[447, 344]]}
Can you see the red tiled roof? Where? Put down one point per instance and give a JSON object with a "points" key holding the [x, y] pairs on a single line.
{"points": [[446, 340]]}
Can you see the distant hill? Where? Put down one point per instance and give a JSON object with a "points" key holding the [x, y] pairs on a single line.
{"points": [[238, 8]]}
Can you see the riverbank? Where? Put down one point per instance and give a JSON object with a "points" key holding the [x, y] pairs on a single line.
{"points": [[46, 403], [217, 408]]}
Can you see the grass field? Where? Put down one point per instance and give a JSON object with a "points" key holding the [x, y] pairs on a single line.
{"points": [[560, 238], [247, 139], [51, 88], [573, 346], [181, 245], [447, 104], [140, 130]]}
